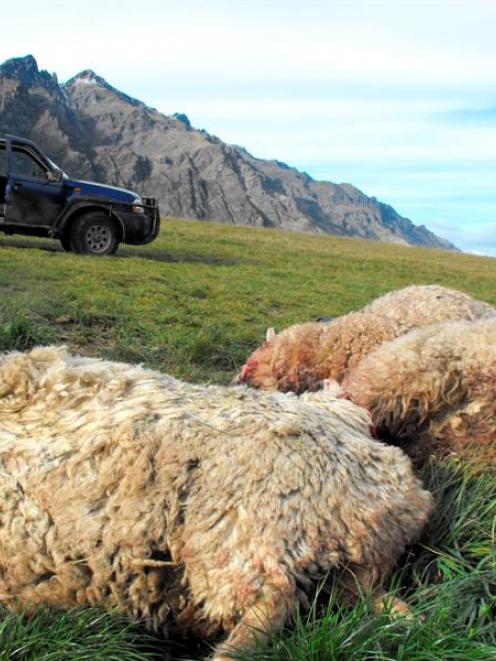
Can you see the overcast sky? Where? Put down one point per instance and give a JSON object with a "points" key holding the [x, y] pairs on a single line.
{"points": [[398, 98]]}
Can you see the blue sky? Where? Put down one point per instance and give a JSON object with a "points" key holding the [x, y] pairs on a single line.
{"points": [[398, 98]]}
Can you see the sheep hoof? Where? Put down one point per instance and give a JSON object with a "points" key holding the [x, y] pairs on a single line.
{"points": [[394, 606]]}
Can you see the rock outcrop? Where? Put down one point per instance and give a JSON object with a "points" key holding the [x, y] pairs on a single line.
{"points": [[95, 131]]}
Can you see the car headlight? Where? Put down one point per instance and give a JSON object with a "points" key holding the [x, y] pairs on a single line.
{"points": [[138, 208]]}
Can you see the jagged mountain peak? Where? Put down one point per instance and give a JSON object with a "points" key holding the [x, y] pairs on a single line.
{"points": [[18, 66], [95, 131], [88, 76], [25, 70], [88, 80]]}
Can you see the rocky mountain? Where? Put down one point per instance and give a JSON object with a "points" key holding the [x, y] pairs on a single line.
{"points": [[94, 131]]}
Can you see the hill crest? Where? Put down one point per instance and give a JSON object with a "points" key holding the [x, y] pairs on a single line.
{"points": [[96, 131]]}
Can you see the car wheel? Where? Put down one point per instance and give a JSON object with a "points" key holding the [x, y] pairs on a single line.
{"points": [[66, 242], [94, 234]]}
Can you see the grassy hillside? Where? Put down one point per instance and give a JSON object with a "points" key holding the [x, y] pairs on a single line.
{"points": [[194, 304], [198, 299]]}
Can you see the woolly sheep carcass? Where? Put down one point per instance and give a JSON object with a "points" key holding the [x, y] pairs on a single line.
{"points": [[433, 391], [206, 509], [302, 356]]}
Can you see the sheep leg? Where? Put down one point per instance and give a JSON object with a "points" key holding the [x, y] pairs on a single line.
{"points": [[358, 581], [267, 615], [382, 601]]}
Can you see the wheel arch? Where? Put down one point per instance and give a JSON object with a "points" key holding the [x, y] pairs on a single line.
{"points": [[65, 225]]}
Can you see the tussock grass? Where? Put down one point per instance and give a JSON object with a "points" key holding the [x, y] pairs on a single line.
{"points": [[82, 634], [19, 331], [462, 533], [194, 304], [336, 633], [448, 580]]}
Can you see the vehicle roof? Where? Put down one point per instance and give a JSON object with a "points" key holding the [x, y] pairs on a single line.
{"points": [[16, 138]]}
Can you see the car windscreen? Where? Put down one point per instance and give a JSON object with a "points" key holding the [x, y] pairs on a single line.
{"points": [[54, 166]]}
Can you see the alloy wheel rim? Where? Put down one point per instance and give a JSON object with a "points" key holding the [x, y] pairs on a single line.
{"points": [[98, 238]]}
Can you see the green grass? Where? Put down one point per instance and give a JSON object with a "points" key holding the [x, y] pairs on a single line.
{"points": [[198, 299], [448, 579], [20, 331], [82, 634], [194, 304]]}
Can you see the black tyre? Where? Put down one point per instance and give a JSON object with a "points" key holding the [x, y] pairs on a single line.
{"points": [[66, 242], [94, 233]]}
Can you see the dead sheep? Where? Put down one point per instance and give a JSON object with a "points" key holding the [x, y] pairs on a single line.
{"points": [[433, 391], [202, 509], [302, 356]]}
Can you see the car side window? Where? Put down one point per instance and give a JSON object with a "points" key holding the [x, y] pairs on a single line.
{"points": [[24, 163], [3, 165]]}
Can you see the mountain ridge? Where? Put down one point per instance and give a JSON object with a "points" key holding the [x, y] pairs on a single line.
{"points": [[96, 131]]}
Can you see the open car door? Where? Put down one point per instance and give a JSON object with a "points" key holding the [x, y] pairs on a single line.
{"points": [[34, 190]]}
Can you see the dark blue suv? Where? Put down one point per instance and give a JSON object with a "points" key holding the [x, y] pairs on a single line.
{"points": [[37, 198]]}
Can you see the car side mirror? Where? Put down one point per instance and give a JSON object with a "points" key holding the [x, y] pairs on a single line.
{"points": [[54, 176]]}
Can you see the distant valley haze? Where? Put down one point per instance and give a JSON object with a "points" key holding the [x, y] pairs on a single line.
{"points": [[396, 98]]}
